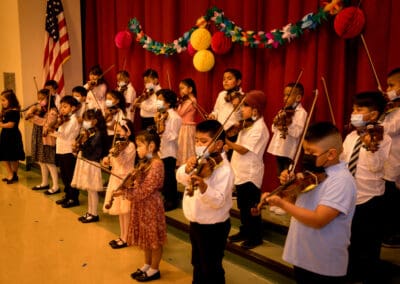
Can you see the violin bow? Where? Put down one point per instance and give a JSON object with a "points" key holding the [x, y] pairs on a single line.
{"points": [[169, 81], [294, 87], [328, 99], [371, 63], [296, 159], [115, 129], [100, 167], [36, 85]]}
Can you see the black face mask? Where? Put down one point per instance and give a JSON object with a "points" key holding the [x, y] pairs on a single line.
{"points": [[309, 164]]}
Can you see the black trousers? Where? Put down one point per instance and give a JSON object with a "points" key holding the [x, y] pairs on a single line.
{"points": [[303, 276], [283, 163], [170, 188], [208, 245], [248, 196], [392, 210], [67, 167], [365, 241], [147, 122]]}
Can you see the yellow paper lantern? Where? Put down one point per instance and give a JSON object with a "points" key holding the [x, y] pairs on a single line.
{"points": [[200, 39], [203, 60]]}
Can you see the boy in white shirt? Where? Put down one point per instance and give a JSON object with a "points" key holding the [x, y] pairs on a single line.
{"points": [[248, 166]]}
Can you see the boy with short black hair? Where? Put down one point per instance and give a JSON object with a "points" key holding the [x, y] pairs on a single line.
{"points": [[366, 151], [319, 233], [52, 86], [207, 201]]}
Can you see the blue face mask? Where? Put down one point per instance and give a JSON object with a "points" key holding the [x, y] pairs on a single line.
{"points": [[357, 120]]}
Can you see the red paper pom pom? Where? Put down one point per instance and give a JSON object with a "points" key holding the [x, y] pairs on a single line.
{"points": [[191, 50], [123, 39], [220, 44], [349, 22]]}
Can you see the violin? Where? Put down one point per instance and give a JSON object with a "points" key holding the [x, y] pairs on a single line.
{"points": [[204, 168], [82, 138], [283, 120], [109, 113], [160, 119], [371, 135], [236, 128], [119, 146], [307, 182], [233, 94], [32, 110], [392, 105], [140, 169], [61, 119]]}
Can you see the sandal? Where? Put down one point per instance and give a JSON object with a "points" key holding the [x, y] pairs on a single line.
{"points": [[119, 244]]}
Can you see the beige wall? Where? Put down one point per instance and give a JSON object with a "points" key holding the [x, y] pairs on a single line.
{"points": [[21, 52]]}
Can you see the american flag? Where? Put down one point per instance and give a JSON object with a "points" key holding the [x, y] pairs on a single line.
{"points": [[56, 51]]}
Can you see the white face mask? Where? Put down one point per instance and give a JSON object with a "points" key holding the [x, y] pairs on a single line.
{"points": [[121, 83], [149, 156], [160, 105], [109, 103], [200, 151], [392, 95], [87, 124], [357, 120], [149, 86]]}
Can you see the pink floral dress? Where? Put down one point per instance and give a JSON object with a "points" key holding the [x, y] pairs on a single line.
{"points": [[147, 228]]}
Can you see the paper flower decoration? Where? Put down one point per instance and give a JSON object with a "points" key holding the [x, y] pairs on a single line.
{"points": [[349, 22], [203, 60]]}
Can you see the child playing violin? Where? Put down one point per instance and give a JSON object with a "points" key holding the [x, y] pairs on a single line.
{"points": [[168, 123], [68, 130], [126, 88], [52, 86], [113, 113], [80, 94], [97, 88], [287, 127], [147, 100], [147, 227], [87, 173], [319, 231], [391, 125], [248, 166], [122, 160], [207, 201], [366, 157]]}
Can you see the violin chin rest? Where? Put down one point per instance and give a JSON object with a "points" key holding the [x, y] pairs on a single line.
{"points": [[309, 188]]}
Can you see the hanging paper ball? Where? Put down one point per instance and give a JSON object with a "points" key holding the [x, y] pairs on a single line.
{"points": [[220, 43], [349, 22], [191, 50], [200, 39], [123, 39], [203, 60]]}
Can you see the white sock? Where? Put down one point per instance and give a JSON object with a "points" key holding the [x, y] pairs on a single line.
{"points": [[145, 267], [93, 201], [45, 174], [151, 271], [54, 175]]}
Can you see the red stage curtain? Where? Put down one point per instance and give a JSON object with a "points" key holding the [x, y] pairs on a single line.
{"points": [[344, 64]]}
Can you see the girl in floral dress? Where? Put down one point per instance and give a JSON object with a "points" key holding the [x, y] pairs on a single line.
{"points": [[147, 228]]}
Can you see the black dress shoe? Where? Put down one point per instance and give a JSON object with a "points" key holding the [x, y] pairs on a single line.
{"points": [[51, 191], [249, 244], [15, 177], [40, 187], [70, 203], [91, 218], [237, 238], [137, 273], [145, 278], [4, 179], [119, 244], [61, 201], [10, 181]]}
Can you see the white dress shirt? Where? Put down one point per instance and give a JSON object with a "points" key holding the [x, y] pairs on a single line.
{"points": [[249, 167], [287, 147], [130, 97], [96, 97], [169, 138], [370, 167], [223, 109], [391, 126], [148, 107], [66, 135], [213, 205]]}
